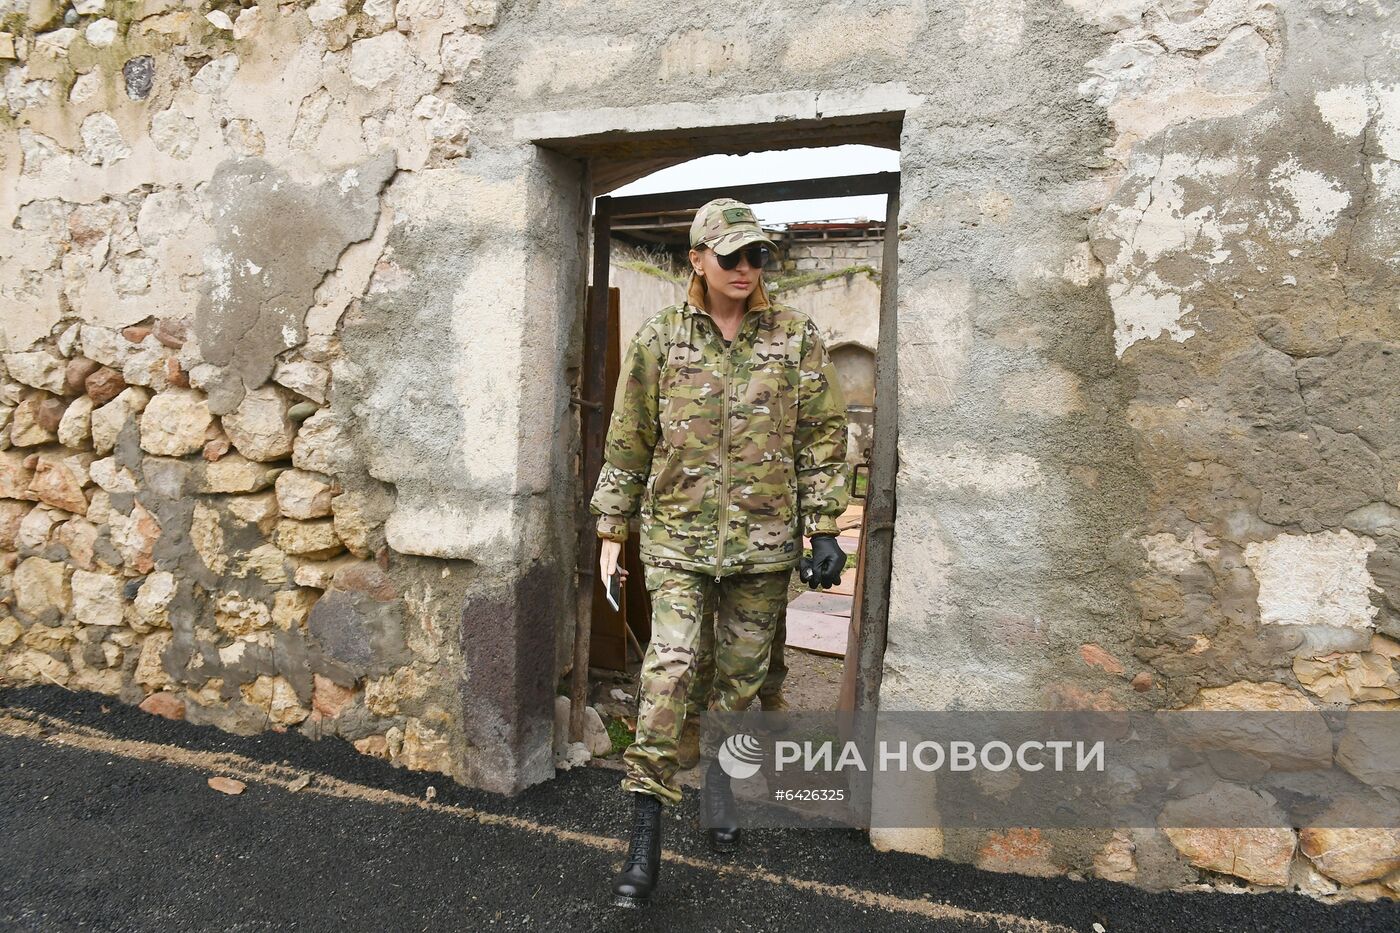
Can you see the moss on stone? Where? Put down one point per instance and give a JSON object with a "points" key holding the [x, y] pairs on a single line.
{"points": [[651, 269], [786, 283]]}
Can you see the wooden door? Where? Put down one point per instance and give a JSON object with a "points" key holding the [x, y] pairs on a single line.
{"points": [[610, 645]]}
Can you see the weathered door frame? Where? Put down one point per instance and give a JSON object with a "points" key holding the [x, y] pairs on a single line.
{"points": [[872, 612]]}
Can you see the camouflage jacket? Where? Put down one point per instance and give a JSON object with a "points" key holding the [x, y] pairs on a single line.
{"points": [[722, 449]]}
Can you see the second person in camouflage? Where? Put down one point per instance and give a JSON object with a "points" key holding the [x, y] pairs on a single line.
{"points": [[728, 440]]}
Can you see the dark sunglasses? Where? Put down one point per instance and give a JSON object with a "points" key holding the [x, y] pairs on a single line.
{"points": [[756, 254]]}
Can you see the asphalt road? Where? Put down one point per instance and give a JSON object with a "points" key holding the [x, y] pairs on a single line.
{"points": [[107, 823]]}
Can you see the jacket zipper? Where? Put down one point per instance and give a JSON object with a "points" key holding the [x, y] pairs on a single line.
{"points": [[724, 463]]}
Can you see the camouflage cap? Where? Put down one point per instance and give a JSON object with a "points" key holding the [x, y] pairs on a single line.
{"points": [[725, 224]]}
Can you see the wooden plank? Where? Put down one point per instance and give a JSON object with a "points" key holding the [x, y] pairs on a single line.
{"points": [[818, 601], [845, 698], [817, 632], [608, 642], [860, 686], [591, 389]]}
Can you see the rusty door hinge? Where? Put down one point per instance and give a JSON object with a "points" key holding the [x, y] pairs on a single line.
{"points": [[584, 403]]}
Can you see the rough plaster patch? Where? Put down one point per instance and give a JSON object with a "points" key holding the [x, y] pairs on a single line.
{"points": [[703, 53], [1172, 555], [936, 330], [863, 34], [487, 317], [482, 533], [423, 200], [1110, 15], [1050, 392], [1141, 314], [1081, 267], [1388, 119], [965, 467], [1349, 108], [921, 577], [1194, 25], [1163, 222], [461, 501], [994, 26], [1314, 579], [275, 241], [1179, 65], [1386, 177], [573, 63], [1317, 201], [1153, 220], [1345, 108], [350, 279]]}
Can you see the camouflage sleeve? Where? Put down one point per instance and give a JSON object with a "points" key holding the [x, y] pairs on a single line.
{"points": [[822, 491], [632, 435]]}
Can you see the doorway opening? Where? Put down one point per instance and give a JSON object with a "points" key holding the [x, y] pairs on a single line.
{"points": [[835, 644]]}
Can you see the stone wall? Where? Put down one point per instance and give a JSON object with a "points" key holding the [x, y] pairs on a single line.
{"points": [[809, 255], [290, 300], [640, 295], [200, 476]]}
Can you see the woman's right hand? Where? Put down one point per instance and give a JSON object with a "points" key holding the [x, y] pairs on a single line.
{"points": [[608, 554]]}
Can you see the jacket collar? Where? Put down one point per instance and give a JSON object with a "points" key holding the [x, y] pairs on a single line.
{"points": [[695, 296]]}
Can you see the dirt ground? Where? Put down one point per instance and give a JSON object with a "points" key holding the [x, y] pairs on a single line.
{"points": [[813, 681]]}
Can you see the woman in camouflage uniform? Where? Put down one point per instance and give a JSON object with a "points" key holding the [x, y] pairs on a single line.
{"points": [[728, 437]]}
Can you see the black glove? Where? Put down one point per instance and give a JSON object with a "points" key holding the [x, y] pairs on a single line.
{"points": [[824, 567]]}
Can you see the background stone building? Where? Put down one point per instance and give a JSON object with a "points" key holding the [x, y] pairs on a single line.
{"points": [[291, 298]]}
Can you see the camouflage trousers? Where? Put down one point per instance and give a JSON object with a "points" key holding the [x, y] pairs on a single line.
{"points": [[700, 685], [750, 607]]}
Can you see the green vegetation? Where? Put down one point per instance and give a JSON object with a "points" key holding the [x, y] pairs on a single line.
{"points": [[784, 283], [619, 733], [651, 269]]}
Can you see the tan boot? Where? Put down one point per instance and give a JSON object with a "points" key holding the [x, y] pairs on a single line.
{"points": [[688, 751], [776, 706]]}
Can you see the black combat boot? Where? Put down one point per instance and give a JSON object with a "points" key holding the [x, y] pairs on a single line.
{"points": [[633, 885], [718, 800]]}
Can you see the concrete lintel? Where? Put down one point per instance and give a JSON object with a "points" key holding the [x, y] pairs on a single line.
{"points": [[547, 127]]}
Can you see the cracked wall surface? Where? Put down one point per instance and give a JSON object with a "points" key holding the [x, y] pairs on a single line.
{"points": [[196, 196], [290, 297]]}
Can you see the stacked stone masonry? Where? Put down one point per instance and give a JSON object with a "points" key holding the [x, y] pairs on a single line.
{"points": [[211, 568], [808, 255], [289, 303]]}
